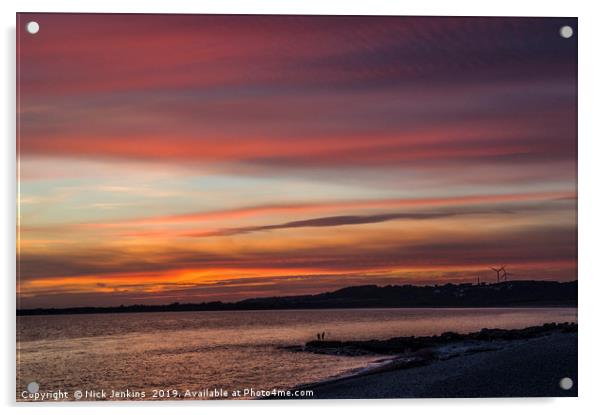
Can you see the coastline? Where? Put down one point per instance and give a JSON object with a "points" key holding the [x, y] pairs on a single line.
{"points": [[527, 367], [506, 294]]}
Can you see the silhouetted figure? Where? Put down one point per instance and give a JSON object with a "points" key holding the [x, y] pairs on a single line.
{"points": [[319, 337], [323, 334]]}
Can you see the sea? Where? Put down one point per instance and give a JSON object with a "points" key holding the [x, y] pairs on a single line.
{"points": [[222, 354]]}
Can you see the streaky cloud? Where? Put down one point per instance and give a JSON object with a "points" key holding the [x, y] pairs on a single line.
{"points": [[347, 220]]}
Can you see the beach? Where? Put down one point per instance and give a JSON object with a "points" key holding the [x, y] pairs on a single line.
{"points": [[522, 368], [233, 350]]}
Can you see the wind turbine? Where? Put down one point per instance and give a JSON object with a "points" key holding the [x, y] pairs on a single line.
{"points": [[497, 271]]}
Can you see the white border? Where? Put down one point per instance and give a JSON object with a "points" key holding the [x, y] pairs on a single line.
{"points": [[590, 201]]}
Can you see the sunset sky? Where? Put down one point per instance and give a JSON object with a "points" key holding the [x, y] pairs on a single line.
{"points": [[196, 158]]}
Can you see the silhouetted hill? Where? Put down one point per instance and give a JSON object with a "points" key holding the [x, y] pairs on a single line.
{"points": [[504, 294]]}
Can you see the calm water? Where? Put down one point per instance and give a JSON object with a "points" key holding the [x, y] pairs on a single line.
{"points": [[229, 350]]}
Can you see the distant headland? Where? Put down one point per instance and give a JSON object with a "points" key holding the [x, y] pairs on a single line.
{"points": [[503, 294]]}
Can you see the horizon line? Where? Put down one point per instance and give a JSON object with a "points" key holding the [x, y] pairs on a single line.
{"points": [[225, 303]]}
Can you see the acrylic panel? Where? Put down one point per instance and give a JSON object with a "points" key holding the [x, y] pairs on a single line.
{"points": [[295, 207]]}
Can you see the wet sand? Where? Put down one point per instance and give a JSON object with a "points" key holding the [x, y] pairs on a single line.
{"points": [[525, 368]]}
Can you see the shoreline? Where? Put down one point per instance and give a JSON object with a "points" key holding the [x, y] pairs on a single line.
{"points": [[423, 373], [515, 294], [25, 313]]}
